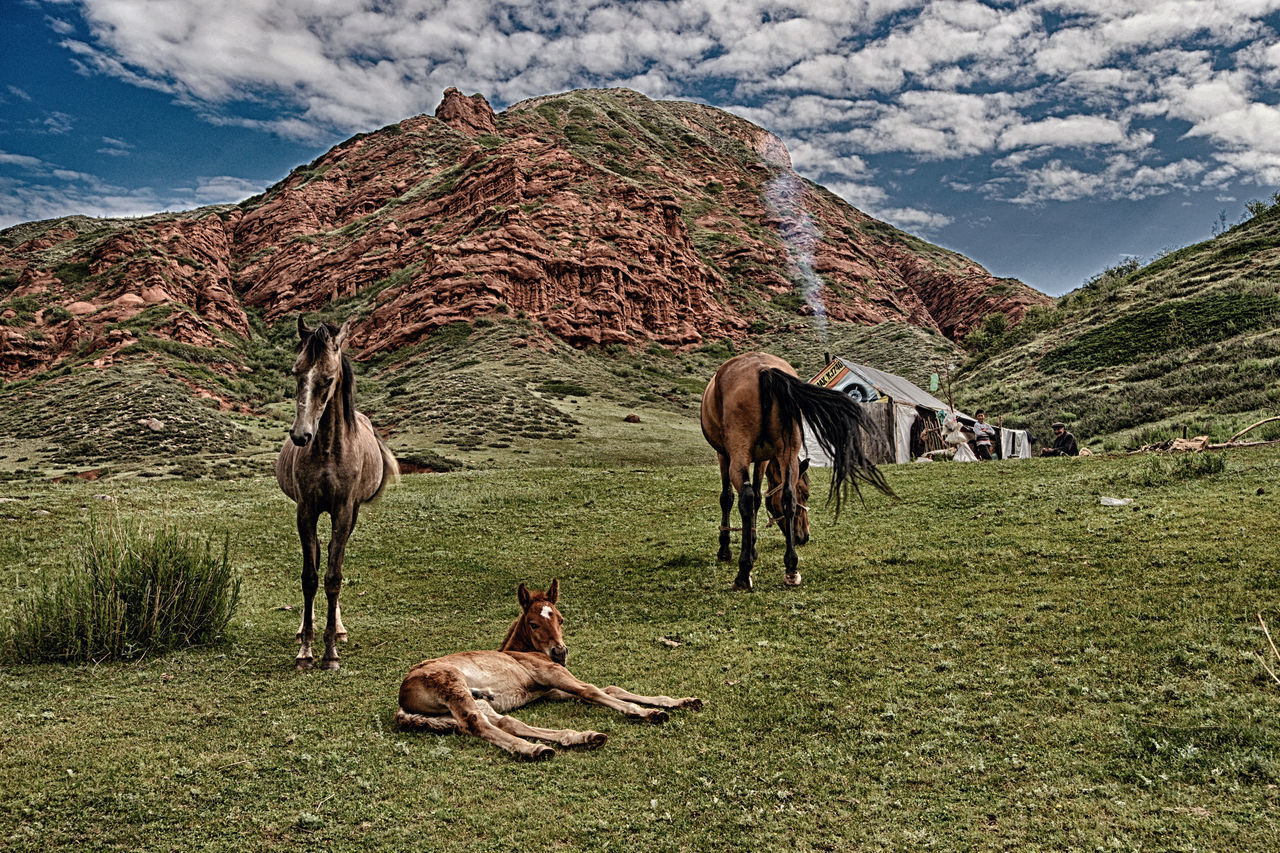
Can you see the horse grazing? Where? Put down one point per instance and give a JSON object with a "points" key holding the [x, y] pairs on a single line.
{"points": [[752, 412], [332, 462], [472, 691]]}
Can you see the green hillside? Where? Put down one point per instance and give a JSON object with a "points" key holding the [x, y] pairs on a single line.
{"points": [[499, 392], [1190, 340]]}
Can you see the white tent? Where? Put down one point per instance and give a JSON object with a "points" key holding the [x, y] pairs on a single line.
{"points": [[902, 402]]}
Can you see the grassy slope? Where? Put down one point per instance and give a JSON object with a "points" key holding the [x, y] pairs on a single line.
{"points": [[1190, 339], [466, 394], [1029, 670]]}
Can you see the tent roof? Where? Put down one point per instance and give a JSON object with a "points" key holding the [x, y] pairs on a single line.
{"points": [[899, 389]]}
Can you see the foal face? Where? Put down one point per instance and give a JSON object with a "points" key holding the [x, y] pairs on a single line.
{"points": [[317, 370], [543, 622]]}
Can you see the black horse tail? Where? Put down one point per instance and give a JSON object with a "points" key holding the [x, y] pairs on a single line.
{"points": [[834, 420]]}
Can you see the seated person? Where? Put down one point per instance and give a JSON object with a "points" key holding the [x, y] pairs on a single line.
{"points": [[1064, 443], [984, 435]]}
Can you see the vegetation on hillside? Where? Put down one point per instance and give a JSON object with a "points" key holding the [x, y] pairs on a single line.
{"points": [[1140, 353]]}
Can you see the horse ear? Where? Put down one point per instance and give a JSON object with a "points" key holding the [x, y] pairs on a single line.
{"points": [[804, 465], [341, 340], [553, 591], [523, 594], [303, 331]]}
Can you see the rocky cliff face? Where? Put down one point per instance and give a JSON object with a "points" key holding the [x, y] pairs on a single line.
{"points": [[604, 216]]}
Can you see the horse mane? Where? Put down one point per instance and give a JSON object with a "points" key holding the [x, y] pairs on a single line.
{"points": [[509, 641], [348, 393], [835, 422]]}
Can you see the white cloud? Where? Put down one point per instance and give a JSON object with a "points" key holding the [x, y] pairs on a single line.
{"points": [[1121, 178], [1071, 132], [115, 147], [1063, 99], [56, 123], [914, 219], [224, 189], [21, 160]]}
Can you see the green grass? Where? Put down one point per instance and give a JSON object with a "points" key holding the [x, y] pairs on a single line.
{"points": [[1176, 324], [130, 595], [995, 662]]}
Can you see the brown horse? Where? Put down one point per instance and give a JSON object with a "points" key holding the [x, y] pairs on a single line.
{"points": [[752, 412], [472, 691], [332, 462]]}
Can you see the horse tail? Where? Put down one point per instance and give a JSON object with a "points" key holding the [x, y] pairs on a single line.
{"points": [[390, 468], [405, 720], [835, 421]]}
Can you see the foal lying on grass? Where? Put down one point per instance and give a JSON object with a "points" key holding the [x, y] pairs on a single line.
{"points": [[472, 691]]}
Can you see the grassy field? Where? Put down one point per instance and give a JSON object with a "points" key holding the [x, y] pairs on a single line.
{"points": [[995, 662]]}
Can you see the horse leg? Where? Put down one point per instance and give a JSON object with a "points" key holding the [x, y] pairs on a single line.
{"points": [[747, 511], [561, 679], [790, 559], [310, 581], [564, 737], [342, 632], [344, 521], [658, 701], [726, 504], [755, 485], [425, 693]]}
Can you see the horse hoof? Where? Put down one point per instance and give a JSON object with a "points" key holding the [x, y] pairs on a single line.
{"points": [[742, 585], [724, 556], [329, 663], [539, 753], [656, 716], [302, 664], [792, 579], [594, 740], [693, 703]]}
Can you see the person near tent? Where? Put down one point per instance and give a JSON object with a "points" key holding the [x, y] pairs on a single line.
{"points": [[983, 436], [1064, 443]]}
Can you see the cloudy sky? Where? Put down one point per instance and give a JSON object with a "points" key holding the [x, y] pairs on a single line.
{"points": [[1046, 139]]}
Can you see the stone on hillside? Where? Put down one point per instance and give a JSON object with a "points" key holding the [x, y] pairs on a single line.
{"points": [[472, 116]]}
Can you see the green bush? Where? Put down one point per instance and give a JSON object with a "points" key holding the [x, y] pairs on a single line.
{"points": [[564, 388], [132, 594], [1160, 470]]}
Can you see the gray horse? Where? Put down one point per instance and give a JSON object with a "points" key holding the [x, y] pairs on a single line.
{"points": [[332, 462]]}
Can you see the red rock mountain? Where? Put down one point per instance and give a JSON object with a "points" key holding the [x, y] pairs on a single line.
{"points": [[603, 215]]}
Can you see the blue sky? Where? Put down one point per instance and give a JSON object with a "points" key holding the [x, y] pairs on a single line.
{"points": [[1046, 139]]}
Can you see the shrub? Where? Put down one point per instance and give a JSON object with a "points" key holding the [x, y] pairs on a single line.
{"points": [[132, 594], [563, 388], [1159, 470]]}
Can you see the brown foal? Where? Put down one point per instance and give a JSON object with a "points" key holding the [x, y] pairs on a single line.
{"points": [[472, 691]]}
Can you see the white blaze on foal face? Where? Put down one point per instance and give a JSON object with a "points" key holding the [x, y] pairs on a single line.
{"points": [[544, 623]]}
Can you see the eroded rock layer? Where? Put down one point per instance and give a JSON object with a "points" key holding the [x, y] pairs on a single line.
{"points": [[604, 216]]}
